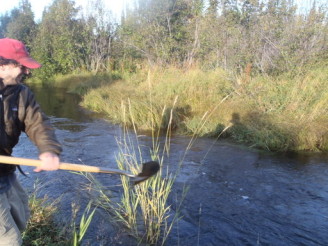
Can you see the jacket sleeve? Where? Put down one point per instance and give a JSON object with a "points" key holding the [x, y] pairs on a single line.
{"points": [[37, 125]]}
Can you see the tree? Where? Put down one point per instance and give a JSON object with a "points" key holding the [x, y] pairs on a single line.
{"points": [[212, 8], [58, 39], [98, 34], [4, 20], [21, 25], [163, 31]]}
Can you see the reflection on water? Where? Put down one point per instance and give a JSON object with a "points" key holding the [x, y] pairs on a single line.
{"points": [[57, 102], [67, 124]]}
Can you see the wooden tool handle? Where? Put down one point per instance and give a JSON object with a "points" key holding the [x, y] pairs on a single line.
{"points": [[36, 163]]}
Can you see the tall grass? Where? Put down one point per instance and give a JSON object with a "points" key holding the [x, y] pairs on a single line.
{"points": [[274, 113], [143, 209], [197, 92], [148, 201], [287, 112]]}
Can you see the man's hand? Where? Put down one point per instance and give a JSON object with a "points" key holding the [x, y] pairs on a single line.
{"points": [[50, 162]]}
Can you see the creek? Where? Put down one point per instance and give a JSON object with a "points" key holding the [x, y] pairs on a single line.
{"points": [[236, 196]]}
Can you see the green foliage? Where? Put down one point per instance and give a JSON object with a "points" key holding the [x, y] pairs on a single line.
{"points": [[166, 21], [4, 20], [79, 233], [22, 27], [278, 114], [97, 35], [273, 36], [42, 230], [19, 24], [57, 40]]}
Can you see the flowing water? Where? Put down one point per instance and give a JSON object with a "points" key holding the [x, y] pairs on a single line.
{"points": [[236, 196]]}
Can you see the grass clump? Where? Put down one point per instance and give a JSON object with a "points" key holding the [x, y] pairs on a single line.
{"points": [[144, 209], [42, 230], [80, 230]]}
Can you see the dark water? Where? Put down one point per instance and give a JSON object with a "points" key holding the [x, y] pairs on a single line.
{"points": [[236, 196]]}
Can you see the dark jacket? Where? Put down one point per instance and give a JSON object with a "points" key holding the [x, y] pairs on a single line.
{"points": [[19, 112]]}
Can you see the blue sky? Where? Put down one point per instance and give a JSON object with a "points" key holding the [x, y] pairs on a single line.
{"points": [[38, 6], [115, 6]]}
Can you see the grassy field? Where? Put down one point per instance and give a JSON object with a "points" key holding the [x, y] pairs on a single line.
{"points": [[284, 113]]}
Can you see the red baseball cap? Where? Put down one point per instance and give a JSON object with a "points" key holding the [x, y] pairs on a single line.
{"points": [[16, 50]]}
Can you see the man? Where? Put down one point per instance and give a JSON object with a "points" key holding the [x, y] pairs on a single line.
{"points": [[19, 112]]}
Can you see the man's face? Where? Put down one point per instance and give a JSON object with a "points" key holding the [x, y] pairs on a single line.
{"points": [[24, 74], [13, 74]]}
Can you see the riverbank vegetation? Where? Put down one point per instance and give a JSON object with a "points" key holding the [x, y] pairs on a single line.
{"points": [[273, 113], [43, 229], [255, 68]]}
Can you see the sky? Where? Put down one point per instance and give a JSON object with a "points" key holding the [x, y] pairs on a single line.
{"points": [[116, 6]]}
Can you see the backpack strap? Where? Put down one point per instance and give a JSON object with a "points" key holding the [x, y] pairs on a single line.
{"points": [[14, 103]]}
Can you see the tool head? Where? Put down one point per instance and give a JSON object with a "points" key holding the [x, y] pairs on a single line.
{"points": [[148, 169]]}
